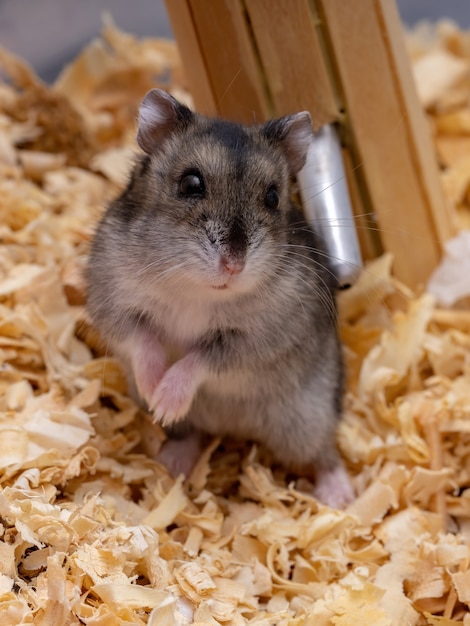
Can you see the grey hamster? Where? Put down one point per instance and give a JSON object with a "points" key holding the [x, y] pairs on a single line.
{"points": [[206, 280]]}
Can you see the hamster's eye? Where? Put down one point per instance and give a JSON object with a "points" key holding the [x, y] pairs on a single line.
{"points": [[192, 184], [271, 198]]}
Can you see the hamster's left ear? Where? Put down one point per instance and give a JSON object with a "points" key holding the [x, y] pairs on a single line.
{"points": [[160, 115], [294, 134]]}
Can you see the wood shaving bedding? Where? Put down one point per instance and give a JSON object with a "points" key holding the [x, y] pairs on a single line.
{"points": [[94, 532]]}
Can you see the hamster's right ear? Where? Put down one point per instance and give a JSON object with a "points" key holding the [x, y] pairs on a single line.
{"points": [[159, 116], [294, 134]]}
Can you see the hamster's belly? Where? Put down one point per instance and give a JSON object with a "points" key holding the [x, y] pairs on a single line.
{"points": [[233, 403], [235, 383]]}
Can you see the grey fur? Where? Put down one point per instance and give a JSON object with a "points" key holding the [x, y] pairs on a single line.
{"points": [[270, 347]]}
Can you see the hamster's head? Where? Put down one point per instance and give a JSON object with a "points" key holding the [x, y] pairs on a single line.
{"points": [[214, 196]]}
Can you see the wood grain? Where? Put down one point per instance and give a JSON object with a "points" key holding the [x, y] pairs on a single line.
{"points": [[197, 73], [227, 47], [295, 67]]}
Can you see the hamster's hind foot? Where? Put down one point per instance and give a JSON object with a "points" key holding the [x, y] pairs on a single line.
{"points": [[179, 456], [333, 487]]}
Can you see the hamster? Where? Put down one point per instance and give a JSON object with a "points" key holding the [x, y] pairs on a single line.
{"points": [[206, 280]]}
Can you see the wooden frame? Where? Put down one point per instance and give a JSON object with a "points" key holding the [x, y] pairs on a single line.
{"points": [[345, 62]]}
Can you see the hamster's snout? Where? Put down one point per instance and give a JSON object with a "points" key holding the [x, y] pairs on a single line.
{"points": [[236, 237], [230, 246], [233, 249], [232, 264], [227, 266]]}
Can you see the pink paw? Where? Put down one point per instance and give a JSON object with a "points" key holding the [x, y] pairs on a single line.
{"points": [[171, 400], [334, 488], [173, 397], [179, 456]]}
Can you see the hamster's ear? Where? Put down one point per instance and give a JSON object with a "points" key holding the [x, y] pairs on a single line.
{"points": [[294, 134], [159, 116]]}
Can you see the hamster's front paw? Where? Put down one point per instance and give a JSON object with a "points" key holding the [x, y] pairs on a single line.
{"points": [[173, 397]]}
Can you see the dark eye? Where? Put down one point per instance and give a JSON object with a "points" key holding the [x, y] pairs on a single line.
{"points": [[271, 199], [192, 184]]}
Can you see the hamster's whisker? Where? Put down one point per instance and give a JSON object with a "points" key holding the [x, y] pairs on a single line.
{"points": [[158, 277], [157, 262], [327, 302], [323, 254], [348, 222], [363, 269], [123, 323], [309, 258]]}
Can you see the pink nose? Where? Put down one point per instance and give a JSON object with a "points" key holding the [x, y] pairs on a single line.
{"points": [[233, 265]]}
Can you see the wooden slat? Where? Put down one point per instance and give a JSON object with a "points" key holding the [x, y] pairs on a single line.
{"points": [[421, 145], [364, 217], [195, 69], [382, 112], [227, 47], [293, 61]]}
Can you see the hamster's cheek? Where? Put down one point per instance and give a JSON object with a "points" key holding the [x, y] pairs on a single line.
{"points": [[260, 262], [247, 281]]}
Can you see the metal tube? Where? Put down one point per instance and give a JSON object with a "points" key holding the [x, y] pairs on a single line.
{"points": [[327, 205]]}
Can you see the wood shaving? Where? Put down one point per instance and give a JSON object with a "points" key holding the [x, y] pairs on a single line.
{"points": [[94, 532]]}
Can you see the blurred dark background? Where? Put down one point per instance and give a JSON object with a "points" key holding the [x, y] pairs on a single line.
{"points": [[49, 33]]}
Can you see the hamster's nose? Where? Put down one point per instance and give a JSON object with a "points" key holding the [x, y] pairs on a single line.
{"points": [[232, 265]]}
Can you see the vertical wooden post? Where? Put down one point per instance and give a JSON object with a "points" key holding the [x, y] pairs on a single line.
{"points": [[197, 73]]}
